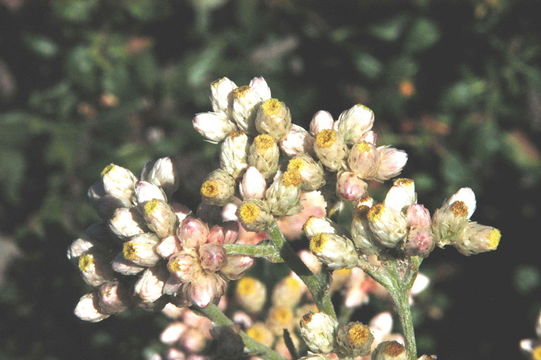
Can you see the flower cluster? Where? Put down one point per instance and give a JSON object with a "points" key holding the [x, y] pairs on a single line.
{"points": [[174, 255]]}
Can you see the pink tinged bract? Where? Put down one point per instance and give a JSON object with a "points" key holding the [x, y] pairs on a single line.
{"points": [[235, 266], [193, 232]]}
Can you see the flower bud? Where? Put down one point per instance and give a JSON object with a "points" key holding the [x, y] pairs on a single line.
{"points": [[317, 225], [261, 333], [181, 211], [334, 250], [87, 308], [243, 107], [251, 294], [168, 246], [280, 318], [140, 250], [283, 196], [350, 187], [206, 289], [118, 182], [363, 160], [381, 325], [218, 188], [234, 153], [354, 339], [254, 215], [161, 173], [420, 242], [476, 238], [390, 162], [273, 118], [253, 184], [160, 218], [213, 126], [390, 350], [288, 292], [353, 123], [212, 257], [150, 285], [236, 266], [220, 92], [78, 248], [145, 191], [401, 194], [310, 171], [360, 230], [125, 267], [193, 232], [173, 333], [94, 268], [264, 155], [104, 203], [330, 149], [184, 265], [126, 222], [388, 226], [318, 331], [194, 340], [260, 87], [370, 137], [466, 197], [112, 298], [322, 120], [451, 219], [418, 216], [297, 141]]}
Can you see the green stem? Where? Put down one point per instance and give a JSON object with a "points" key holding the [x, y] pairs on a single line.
{"points": [[401, 300], [268, 252], [219, 318], [318, 285]]}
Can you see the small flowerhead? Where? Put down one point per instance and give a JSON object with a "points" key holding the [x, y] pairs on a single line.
{"points": [[354, 339], [330, 149], [318, 331], [334, 250], [390, 350], [254, 215], [273, 118]]}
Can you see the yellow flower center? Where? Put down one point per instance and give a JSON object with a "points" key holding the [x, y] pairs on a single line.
{"points": [[249, 212], [236, 133], [151, 206], [129, 250], [271, 107], [246, 286], [291, 178], [210, 189], [281, 315], [363, 147], [107, 169], [493, 241], [375, 212], [536, 353], [174, 266], [325, 138], [317, 242], [241, 91], [86, 261], [342, 272], [296, 164], [358, 334], [403, 182], [459, 208], [292, 283], [393, 349], [264, 142]]}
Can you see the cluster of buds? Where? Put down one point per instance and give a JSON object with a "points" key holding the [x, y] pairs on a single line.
{"points": [[174, 255]]}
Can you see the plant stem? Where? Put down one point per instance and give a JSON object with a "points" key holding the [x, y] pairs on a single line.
{"points": [[268, 252], [401, 300], [219, 318], [318, 285]]}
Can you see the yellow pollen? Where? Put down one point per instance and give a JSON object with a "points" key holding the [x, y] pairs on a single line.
{"points": [[375, 212], [394, 349], [106, 169], [363, 147], [358, 334], [281, 315], [86, 261], [249, 212], [235, 134], [150, 206], [317, 243], [403, 182], [493, 241], [459, 208], [210, 189], [271, 107], [292, 283], [291, 178], [325, 138], [264, 142], [342, 272], [246, 286], [129, 251], [536, 353], [296, 164], [174, 266], [241, 91], [255, 333]]}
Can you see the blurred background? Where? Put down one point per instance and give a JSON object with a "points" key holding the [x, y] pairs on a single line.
{"points": [[87, 82]]}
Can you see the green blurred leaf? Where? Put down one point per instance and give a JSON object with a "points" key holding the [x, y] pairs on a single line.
{"points": [[74, 10], [422, 34], [368, 65], [527, 279], [389, 30], [41, 45]]}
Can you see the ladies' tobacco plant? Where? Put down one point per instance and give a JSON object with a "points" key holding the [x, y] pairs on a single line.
{"points": [[273, 176]]}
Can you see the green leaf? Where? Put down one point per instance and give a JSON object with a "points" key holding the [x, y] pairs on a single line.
{"points": [[41, 45], [74, 10], [368, 65], [422, 34], [389, 30]]}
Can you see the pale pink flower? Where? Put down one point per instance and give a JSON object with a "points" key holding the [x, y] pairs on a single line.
{"points": [[313, 204]]}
